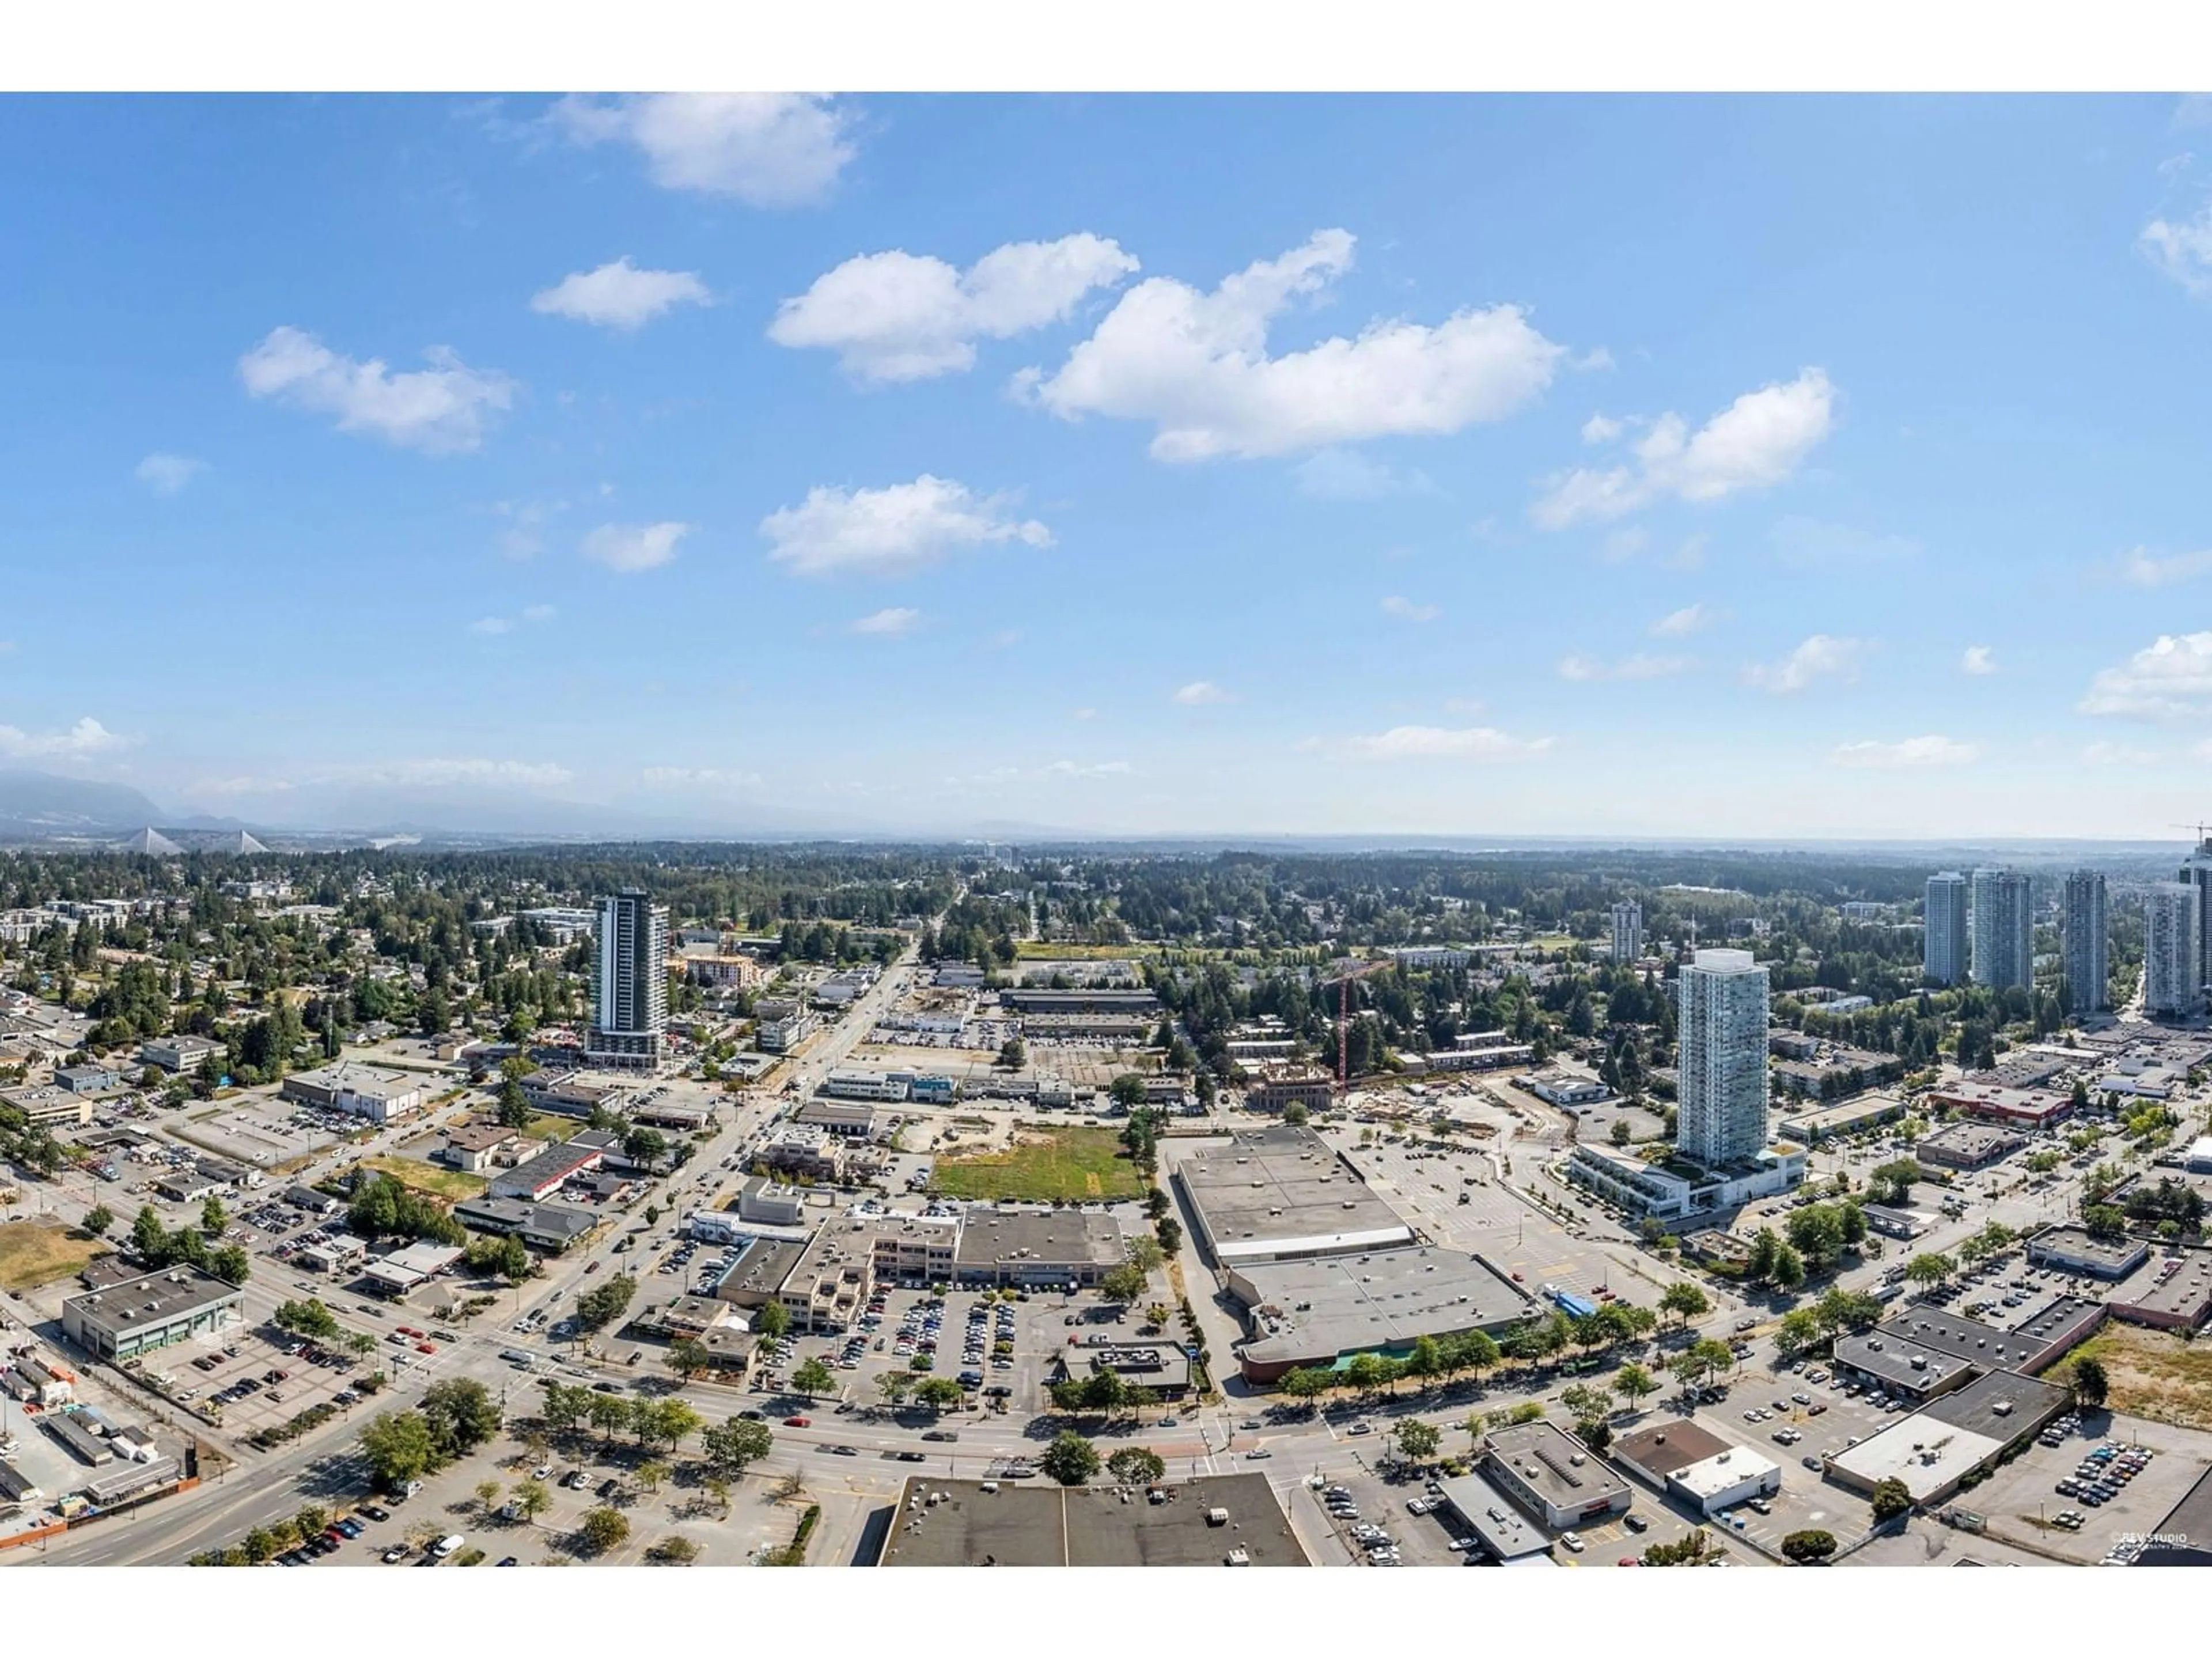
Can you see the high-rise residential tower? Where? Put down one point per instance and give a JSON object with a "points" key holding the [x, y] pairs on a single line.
{"points": [[1722, 1116], [2197, 874], [2170, 948], [1627, 932], [2083, 932], [1943, 949], [2003, 926], [629, 981]]}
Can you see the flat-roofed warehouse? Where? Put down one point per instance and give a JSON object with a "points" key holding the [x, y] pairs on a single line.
{"points": [[1952, 1437], [1227, 1520], [150, 1311], [1318, 1311], [1037, 1247], [1281, 1194]]}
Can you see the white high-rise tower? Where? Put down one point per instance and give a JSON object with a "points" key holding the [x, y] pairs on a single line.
{"points": [[1722, 1116], [1627, 933]]}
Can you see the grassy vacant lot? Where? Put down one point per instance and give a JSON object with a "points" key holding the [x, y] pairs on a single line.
{"points": [[34, 1253], [1038, 950], [449, 1184], [2151, 1374], [1043, 1164]]}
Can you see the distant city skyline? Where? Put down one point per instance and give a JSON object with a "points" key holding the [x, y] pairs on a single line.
{"points": [[1766, 468]]}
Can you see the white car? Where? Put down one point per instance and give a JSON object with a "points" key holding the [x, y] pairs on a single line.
{"points": [[1571, 1542]]}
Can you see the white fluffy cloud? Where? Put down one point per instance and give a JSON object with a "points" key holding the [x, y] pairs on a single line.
{"points": [[1636, 667], [1478, 743], [2182, 250], [888, 623], [441, 409], [2167, 679], [1821, 657], [79, 742], [1756, 441], [633, 547], [1199, 693], [2140, 568], [1680, 624], [1196, 365], [891, 530], [1978, 659], [166, 474], [1345, 474], [620, 295], [1602, 429], [765, 148], [899, 316], [1929, 751], [1406, 611]]}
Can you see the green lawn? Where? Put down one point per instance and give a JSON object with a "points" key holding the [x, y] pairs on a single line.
{"points": [[449, 1184], [34, 1253], [1044, 1165]]}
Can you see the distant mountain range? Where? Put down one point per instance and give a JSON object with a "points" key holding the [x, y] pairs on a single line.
{"points": [[39, 806]]}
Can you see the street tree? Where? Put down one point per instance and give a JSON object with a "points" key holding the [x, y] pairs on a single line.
{"points": [[399, 1448], [1136, 1466], [812, 1377], [1631, 1382], [602, 1529], [530, 1498], [1417, 1442], [1685, 1301], [730, 1446], [1070, 1459]]}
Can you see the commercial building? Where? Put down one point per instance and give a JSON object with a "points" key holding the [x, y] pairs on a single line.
{"points": [[2082, 933], [766, 1203], [551, 1228], [1139, 1005], [2030, 1109], [1159, 1363], [359, 1091], [400, 1270], [1506, 1536], [1320, 1311], [2003, 923], [1926, 1352], [474, 1147], [2172, 934], [550, 1170], [1553, 1476], [1627, 932], [917, 1249], [568, 1094], [805, 1150], [630, 982], [178, 1054], [1564, 1089], [1722, 1094], [1222, 1520], [780, 1036], [1036, 1247], [1690, 1462], [1845, 1117], [2073, 1249], [857, 1088], [1273, 1095], [137, 1316], [1279, 1194], [88, 1079], [1968, 1146], [1953, 1438], [1679, 1187], [1432, 955], [2171, 1293], [49, 1108], [688, 1116], [1943, 948]]}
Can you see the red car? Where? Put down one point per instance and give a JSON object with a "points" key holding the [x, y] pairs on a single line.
{"points": [[426, 1347], [797, 1422]]}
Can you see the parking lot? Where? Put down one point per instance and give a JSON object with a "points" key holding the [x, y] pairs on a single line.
{"points": [[961, 1339], [2020, 1501], [251, 1378]]}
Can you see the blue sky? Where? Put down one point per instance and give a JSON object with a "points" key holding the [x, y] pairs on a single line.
{"points": [[1604, 465]]}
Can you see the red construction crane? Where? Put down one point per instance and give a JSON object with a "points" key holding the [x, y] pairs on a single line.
{"points": [[1357, 970]]}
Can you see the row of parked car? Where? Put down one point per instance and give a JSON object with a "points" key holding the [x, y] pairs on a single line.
{"points": [[2104, 1472]]}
